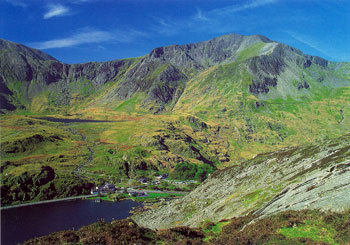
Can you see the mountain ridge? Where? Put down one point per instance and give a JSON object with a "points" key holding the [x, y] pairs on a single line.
{"points": [[260, 129], [161, 75], [203, 106]]}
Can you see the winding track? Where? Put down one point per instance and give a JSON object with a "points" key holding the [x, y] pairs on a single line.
{"points": [[90, 156]]}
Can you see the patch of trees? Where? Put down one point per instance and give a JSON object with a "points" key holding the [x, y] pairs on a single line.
{"points": [[42, 184], [191, 171]]}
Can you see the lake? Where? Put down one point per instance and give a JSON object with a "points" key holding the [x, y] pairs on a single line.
{"points": [[22, 223], [68, 120]]}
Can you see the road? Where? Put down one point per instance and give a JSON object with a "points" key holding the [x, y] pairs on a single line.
{"points": [[47, 201], [156, 191], [87, 196]]}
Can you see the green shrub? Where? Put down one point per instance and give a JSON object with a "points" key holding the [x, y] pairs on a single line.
{"points": [[190, 171], [203, 171], [184, 171]]}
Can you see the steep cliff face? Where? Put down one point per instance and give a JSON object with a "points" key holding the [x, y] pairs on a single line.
{"points": [[314, 177], [205, 54], [19, 63], [225, 99], [168, 73], [98, 73], [163, 73], [258, 93], [158, 79], [26, 73]]}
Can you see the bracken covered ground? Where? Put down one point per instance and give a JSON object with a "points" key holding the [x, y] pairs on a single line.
{"points": [[289, 227]]}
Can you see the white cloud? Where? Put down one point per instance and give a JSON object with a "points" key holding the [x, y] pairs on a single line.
{"points": [[89, 35], [56, 10], [328, 52], [237, 8], [199, 16], [81, 1], [17, 3], [166, 27], [218, 20], [127, 36], [307, 41]]}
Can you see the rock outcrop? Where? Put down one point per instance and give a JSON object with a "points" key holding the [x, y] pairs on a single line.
{"points": [[27, 72], [40, 184], [161, 76], [314, 177]]}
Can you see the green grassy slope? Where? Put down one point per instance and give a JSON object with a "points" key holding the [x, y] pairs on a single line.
{"points": [[289, 114], [178, 111], [292, 227], [311, 176], [38, 161]]}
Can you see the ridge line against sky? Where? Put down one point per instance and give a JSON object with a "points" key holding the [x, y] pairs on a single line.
{"points": [[88, 30]]}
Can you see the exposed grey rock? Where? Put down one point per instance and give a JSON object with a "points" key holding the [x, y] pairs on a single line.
{"points": [[314, 176], [258, 87], [203, 54], [5, 92], [161, 75], [269, 65], [38, 71], [98, 72], [18, 48], [303, 85]]}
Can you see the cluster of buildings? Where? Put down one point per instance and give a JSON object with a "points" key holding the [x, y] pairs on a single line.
{"points": [[104, 189], [138, 194], [110, 188], [157, 180]]}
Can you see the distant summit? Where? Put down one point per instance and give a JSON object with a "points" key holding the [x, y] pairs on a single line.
{"points": [[160, 78], [186, 110]]}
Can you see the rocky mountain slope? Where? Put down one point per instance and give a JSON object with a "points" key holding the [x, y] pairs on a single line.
{"points": [[27, 73], [257, 66], [289, 227], [307, 177], [206, 105]]}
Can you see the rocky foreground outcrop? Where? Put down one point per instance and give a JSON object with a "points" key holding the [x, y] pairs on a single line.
{"points": [[309, 177], [289, 227]]}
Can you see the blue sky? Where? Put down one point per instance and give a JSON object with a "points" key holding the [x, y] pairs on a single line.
{"points": [[77, 31]]}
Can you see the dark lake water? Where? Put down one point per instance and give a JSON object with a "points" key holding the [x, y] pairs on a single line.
{"points": [[65, 120], [22, 223]]}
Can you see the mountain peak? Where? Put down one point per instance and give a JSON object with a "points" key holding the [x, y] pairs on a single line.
{"points": [[13, 48], [207, 53], [256, 37], [162, 75]]}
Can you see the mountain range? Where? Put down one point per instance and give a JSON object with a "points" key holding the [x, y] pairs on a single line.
{"points": [[260, 118], [237, 64]]}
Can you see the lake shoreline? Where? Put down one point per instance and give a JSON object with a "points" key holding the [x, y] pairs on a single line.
{"points": [[74, 120], [46, 201], [26, 222], [92, 196]]}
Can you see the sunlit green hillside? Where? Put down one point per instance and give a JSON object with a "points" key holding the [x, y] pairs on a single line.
{"points": [[207, 105]]}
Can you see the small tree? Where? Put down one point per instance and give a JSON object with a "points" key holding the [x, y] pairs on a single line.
{"points": [[184, 171], [203, 171]]}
